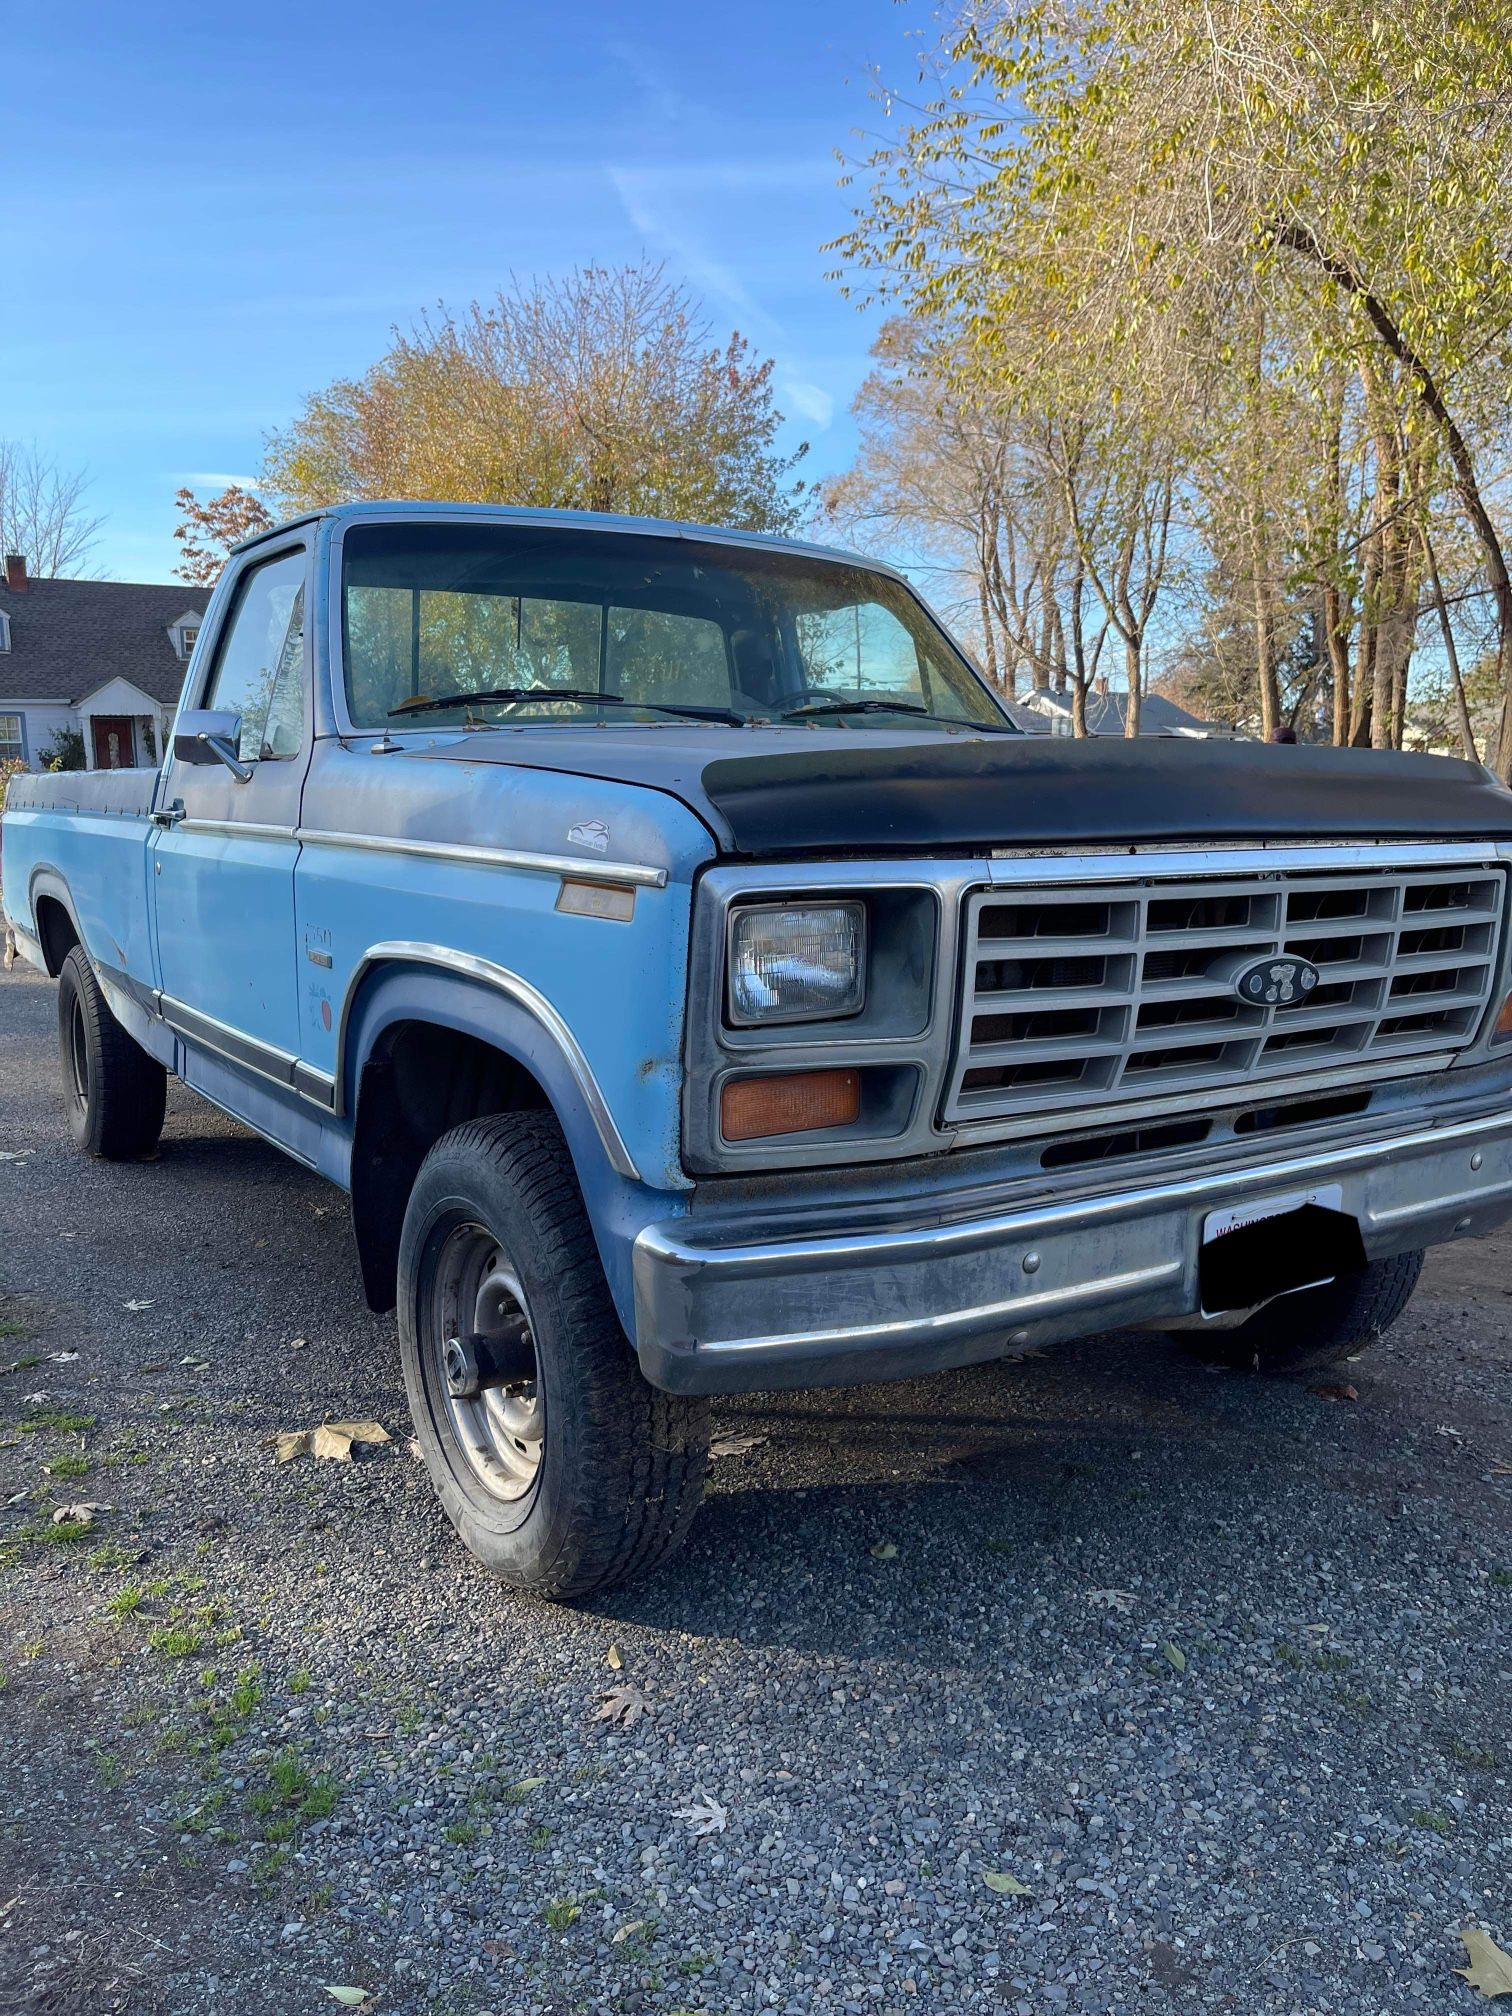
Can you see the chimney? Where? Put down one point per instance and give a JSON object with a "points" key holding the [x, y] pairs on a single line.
{"points": [[1101, 684], [15, 573]]}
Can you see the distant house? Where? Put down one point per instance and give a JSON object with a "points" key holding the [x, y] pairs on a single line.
{"points": [[106, 658], [1045, 712]]}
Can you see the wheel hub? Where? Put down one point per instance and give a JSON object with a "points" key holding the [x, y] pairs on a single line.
{"points": [[485, 1354]]}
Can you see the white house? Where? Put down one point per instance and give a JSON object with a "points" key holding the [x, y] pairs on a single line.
{"points": [[106, 658]]}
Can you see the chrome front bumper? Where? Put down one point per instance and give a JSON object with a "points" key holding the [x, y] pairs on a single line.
{"points": [[718, 1312]]}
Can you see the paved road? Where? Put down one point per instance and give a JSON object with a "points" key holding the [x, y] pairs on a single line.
{"points": [[1217, 1669]]}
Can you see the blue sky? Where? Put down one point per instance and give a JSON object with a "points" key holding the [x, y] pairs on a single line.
{"points": [[206, 213]]}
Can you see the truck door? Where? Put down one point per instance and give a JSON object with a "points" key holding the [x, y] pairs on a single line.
{"points": [[223, 862]]}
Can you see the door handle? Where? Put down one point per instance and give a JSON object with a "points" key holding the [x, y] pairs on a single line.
{"points": [[167, 815]]}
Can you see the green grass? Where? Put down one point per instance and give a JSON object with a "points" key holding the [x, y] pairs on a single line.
{"points": [[1468, 1753], [56, 1424], [540, 1839], [1436, 1823], [125, 1602], [247, 1692], [300, 1682], [292, 1786], [71, 1465], [463, 1833], [561, 1912], [55, 1532], [109, 1554], [174, 1641]]}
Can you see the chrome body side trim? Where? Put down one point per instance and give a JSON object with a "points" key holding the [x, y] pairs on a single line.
{"points": [[414, 952], [235, 829], [628, 872], [266, 1059]]}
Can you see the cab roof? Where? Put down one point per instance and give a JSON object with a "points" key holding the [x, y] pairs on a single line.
{"points": [[387, 510]]}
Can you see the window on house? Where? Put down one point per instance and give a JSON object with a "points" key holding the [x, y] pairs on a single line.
{"points": [[4, 631], [187, 636], [12, 747]]}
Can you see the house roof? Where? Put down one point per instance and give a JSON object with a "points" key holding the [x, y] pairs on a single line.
{"points": [[1105, 713], [67, 638]]}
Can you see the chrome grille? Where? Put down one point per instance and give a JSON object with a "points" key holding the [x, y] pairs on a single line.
{"points": [[1089, 995]]}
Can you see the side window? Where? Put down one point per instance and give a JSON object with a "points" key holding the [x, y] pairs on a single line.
{"points": [[260, 664]]}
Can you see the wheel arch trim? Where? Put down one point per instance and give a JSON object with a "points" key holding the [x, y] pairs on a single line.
{"points": [[485, 973]]}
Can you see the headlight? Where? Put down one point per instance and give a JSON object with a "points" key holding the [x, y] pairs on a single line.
{"points": [[796, 962]]}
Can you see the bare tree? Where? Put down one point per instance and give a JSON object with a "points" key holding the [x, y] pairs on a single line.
{"points": [[42, 512]]}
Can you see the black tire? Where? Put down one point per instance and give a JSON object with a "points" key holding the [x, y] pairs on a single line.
{"points": [[1315, 1327], [114, 1091], [619, 1471]]}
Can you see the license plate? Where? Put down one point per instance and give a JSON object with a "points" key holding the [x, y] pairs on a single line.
{"points": [[1329, 1196]]}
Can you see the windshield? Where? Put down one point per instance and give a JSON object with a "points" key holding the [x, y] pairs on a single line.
{"points": [[451, 611]]}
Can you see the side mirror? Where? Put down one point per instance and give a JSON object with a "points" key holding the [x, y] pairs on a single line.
{"points": [[204, 735]]}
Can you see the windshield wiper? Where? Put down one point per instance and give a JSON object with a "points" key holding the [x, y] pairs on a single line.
{"points": [[508, 696], [861, 706]]}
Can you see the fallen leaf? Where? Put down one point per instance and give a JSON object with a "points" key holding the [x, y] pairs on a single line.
{"points": [[527, 1784], [704, 1816], [629, 1931], [79, 1515], [198, 1364], [19, 1497], [1004, 1884], [614, 1658], [733, 1445], [415, 1450], [15, 1154], [37, 1399], [1490, 1969], [884, 1551], [296, 1343], [349, 1998], [61, 1357], [624, 1705], [1176, 1656], [332, 1440], [1457, 1433], [1336, 1392], [1500, 1469], [1121, 1600], [138, 1305]]}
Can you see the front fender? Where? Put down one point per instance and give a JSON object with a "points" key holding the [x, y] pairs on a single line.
{"points": [[476, 998]]}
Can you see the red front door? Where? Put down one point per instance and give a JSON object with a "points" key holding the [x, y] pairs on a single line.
{"points": [[114, 742]]}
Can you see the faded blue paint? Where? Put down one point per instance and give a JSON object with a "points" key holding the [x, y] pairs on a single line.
{"points": [[224, 920]]}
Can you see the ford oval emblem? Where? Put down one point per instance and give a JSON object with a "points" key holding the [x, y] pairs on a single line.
{"points": [[1278, 982]]}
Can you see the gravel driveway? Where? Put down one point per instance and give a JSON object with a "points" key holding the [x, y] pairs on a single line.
{"points": [[1217, 1671]]}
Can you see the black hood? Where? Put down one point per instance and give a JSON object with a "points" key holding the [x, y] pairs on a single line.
{"points": [[798, 791]]}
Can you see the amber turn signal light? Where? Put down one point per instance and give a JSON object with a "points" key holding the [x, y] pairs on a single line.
{"points": [[1503, 1027], [789, 1102]]}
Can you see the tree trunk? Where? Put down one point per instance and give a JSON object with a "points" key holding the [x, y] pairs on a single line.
{"points": [[1131, 672], [1338, 660], [1298, 239], [989, 642], [1446, 631]]}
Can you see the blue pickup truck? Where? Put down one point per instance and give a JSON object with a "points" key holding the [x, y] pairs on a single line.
{"points": [[700, 986]]}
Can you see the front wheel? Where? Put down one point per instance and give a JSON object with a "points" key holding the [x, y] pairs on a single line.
{"points": [[558, 1463], [1315, 1327], [114, 1092]]}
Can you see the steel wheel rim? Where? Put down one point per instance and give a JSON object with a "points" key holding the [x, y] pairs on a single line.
{"points": [[499, 1432], [78, 1053]]}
